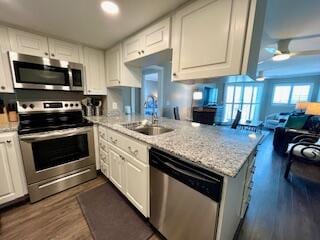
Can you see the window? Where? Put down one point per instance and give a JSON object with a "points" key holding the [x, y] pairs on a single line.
{"points": [[243, 96], [291, 94]]}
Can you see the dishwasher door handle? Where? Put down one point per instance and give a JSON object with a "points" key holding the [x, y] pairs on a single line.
{"points": [[186, 173]]}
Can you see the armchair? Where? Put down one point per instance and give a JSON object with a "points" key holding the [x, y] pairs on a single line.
{"points": [[305, 149]]}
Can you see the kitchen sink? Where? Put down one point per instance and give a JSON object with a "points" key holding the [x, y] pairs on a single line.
{"points": [[152, 130]]}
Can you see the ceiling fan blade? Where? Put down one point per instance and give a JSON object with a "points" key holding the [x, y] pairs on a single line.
{"points": [[306, 53]]}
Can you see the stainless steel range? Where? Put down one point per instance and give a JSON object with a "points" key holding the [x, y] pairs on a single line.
{"points": [[57, 146]]}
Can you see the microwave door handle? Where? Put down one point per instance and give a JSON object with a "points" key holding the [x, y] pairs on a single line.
{"points": [[70, 76], [51, 135]]}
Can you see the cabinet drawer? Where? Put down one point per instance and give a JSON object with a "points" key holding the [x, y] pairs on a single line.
{"points": [[105, 169], [103, 145], [132, 147], [104, 156], [102, 133]]}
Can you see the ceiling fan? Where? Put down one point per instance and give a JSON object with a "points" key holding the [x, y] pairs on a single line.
{"points": [[283, 53]]}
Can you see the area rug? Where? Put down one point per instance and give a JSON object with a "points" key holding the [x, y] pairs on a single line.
{"points": [[110, 216]]}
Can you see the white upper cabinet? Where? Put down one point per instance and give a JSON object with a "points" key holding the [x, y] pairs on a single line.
{"points": [[42, 46], [156, 38], [132, 48], [153, 39], [95, 80], [62, 50], [5, 74], [119, 74], [208, 38], [28, 43], [113, 66], [12, 178]]}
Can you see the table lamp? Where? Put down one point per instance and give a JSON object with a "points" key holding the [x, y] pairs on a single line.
{"points": [[302, 106], [313, 109], [197, 95]]}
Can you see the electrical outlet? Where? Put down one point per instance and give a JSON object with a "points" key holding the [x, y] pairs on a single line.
{"points": [[114, 106]]}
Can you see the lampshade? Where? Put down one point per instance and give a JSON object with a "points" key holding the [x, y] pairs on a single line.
{"points": [[302, 105], [197, 95], [313, 108]]}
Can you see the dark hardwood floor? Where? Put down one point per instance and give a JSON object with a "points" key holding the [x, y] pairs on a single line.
{"points": [[279, 210], [56, 217]]}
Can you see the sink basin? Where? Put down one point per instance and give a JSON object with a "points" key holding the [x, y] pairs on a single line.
{"points": [[152, 130]]}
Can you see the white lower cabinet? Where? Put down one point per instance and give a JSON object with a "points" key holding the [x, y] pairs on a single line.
{"points": [[129, 172], [117, 170], [12, 177], [137, 184]]}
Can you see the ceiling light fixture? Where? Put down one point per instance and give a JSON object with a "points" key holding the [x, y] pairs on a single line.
{"points": [[110, 7], [280, 57], [260, 77]]}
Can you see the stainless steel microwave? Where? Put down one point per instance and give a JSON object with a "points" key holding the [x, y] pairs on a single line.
{"points": [[31, 72]]}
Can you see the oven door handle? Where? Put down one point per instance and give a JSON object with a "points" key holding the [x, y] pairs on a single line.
{"points": [[54, 134]]}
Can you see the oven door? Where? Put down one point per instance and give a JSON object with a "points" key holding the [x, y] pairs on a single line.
{"points": [[50, 154], [30, 72]]}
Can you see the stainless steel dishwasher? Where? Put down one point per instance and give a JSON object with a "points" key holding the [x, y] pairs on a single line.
{"points": [[184, 198]]}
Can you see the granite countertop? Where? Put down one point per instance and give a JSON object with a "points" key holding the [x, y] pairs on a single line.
{"points": [[220, 149], [9, 127]]}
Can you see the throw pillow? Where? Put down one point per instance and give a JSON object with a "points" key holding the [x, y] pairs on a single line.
{"points": [[296, 122]]}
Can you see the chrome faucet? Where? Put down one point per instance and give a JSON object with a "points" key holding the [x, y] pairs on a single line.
{"points": [[154, 114]]}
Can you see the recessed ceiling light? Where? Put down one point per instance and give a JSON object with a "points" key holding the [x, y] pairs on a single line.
{"points": [[281, 57], [110, 7]]}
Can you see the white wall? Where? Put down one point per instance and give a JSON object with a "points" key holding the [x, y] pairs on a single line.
{"points": [[268, 108], [176, 94]]}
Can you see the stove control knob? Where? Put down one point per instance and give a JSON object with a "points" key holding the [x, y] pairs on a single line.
{"points": [[24, 106], [31, 106], [77, 105], [66, 105], [71, 105]]}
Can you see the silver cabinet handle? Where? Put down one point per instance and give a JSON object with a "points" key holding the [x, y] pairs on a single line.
{"points": [[134, 152], [3, 87], [46, 53], [52, 54], [122, 157], [8, 141], [142, 51], [114, 141]]}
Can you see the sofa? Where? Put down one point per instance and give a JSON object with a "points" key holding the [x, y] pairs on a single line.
{"points": [[275, 120], [283, 135]]}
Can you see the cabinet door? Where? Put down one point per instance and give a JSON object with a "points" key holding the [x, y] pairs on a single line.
{"points": [[156, 38], [137, 184], [95, 72], [117, 173], [132, 48], [64, 51], [12, 182], [28, 43], [208, 39], [5, 74], [113, 66]]}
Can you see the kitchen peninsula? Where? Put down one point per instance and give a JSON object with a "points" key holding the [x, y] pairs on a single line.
{"points": [[223, 151]]}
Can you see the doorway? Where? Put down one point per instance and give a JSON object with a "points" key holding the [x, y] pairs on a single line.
{"points": [[152, 88]]}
